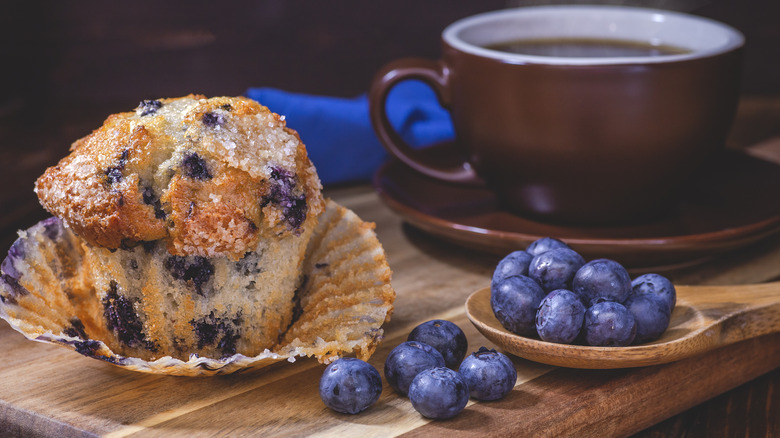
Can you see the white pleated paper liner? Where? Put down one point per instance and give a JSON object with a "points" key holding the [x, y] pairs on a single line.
{"points": [[344, 302]]}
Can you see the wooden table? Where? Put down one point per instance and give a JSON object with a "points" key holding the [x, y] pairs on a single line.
{"points": [[51, 391]]}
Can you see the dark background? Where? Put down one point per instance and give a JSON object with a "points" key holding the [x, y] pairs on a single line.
{"points": [[112, 54], [67, 64]]}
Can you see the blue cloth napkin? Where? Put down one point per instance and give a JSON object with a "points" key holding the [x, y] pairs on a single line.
{"points": [[338, 133]]}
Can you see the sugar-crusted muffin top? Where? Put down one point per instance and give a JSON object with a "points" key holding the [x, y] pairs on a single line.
{"points": [[208, 176]]}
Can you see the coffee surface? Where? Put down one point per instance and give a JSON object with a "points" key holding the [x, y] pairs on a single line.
{"points": [[585, 48]]}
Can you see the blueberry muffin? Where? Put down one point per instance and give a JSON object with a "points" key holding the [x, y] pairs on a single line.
{"points": [[50, 291], [192, 218]]}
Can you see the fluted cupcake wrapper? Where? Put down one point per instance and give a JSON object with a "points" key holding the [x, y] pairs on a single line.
{"points": [[345, 300]]}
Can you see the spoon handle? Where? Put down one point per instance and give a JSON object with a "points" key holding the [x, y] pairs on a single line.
{"points": [[751, 323], [731, 297], [736, 312]]}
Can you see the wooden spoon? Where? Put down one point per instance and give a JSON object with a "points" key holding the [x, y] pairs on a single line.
{"points": [[705, 318]]}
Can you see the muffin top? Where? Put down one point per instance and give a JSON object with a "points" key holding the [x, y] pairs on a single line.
{"points": [[209, 176]]}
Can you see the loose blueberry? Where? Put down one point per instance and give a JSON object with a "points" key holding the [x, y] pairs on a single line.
{"points": [[602, 280], [560, 317], [447, 338], [147, 107], [651, 314], [350, 385], [406, 361], [555, 269], [195, 167], [515, 263], [439, 393], [489, 374], [515, 301], [609, 324], [544, 244], [657, 285]]}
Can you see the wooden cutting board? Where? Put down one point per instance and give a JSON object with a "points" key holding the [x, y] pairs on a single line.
{"points": [[53, 391]]}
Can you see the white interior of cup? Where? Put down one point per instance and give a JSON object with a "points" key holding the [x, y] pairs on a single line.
{"points": [[702, 36]]}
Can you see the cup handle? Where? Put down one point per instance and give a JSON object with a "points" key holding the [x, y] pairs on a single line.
{"points": [[434, 74]]}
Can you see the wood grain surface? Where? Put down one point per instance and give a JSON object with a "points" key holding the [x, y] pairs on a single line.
{"points": [[49, 390], [46, 390]]}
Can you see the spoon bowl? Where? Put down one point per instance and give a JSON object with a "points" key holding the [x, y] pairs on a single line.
{"points": [[705, 318]]}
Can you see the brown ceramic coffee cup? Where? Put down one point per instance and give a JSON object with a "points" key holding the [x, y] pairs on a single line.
{"points": [[576, 139]]}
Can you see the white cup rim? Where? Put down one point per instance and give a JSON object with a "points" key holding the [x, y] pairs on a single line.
{"points": [[707, 37]]}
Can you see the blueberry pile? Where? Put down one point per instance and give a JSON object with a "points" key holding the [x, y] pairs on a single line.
{"points": [[431, 368], [549, 290]]}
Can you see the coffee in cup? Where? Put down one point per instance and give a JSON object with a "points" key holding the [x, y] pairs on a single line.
{"points": [[577, 114]]}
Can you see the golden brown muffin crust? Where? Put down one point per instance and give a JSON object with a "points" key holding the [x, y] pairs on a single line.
{"points": [[210, 176]]}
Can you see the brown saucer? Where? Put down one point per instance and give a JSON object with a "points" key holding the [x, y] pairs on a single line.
{"points": [[730, 203]]}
